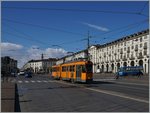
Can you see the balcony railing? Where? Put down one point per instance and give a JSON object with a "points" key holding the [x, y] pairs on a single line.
{"points": [[131, 58], [128, 51], [111, 60], [121, 52], [118, 60], [140, 55], [107, 61], [124, 59]]}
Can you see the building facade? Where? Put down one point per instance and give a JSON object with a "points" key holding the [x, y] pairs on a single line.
{"points": [[8, 65], [131, 50], [40, 66], [75, 56]]}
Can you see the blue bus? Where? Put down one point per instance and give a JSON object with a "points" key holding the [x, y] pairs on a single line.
{"points": [[130, 70]]}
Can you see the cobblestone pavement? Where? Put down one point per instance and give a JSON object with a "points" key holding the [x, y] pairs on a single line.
{"points": [[41, 94]]}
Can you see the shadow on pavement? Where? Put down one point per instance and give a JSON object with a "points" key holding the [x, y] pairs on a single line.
{"points": [[17, 104], [101, 82]]}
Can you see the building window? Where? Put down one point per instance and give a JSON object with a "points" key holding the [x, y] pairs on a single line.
{"points": [[140, 45], [141, 39], [124, 43], [125, 49], [145, 52], [145, 37], [132, 47]]}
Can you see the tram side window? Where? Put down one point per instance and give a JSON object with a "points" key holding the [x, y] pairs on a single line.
{"points": [[73, 68], [57, 68], [89, 68], [83, 69], [63, 68], [54, 69]]}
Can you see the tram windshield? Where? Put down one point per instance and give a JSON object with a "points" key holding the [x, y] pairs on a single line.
{"points": [[89, 68]]}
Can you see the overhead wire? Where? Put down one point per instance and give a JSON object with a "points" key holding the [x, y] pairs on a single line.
{"points": [[141, 11], [74, 10], [120, 28], [124, 30], [44, 27], [80, 40], [26, 35]]}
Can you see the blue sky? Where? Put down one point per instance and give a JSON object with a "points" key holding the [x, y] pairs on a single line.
{"points": [[31, 25]]}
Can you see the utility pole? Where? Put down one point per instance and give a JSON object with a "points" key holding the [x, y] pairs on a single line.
{"points": [[88, 45], [42, 56]]}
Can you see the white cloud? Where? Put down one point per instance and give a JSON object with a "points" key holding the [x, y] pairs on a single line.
{"points": [[34, 52], [96, 27], [6, 46]]}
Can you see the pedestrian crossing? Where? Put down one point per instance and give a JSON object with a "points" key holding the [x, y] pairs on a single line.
{"points": [[29, 81]]}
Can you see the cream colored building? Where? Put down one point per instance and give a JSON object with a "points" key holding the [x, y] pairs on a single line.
{"points": [[43, 65], [74, 56], [131, 50]]}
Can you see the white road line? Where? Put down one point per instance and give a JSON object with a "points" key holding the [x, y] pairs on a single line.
{"points": [[38, 81], [32, 81], [50, 81], [130, 87], [26, 81], [109, 93], [45, 81], [133, 83], [115, 81], [117, 94], [19, 81], [104, 79]]}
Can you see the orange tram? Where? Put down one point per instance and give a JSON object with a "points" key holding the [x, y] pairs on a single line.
{"points": [[76, 71]]}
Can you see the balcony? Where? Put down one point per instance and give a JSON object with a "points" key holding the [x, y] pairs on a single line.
{"points": [[121, 52], [111, 60], [107, 61], [140, 56], [102, 62], [124, 59], [131, 58], [117, 60]]}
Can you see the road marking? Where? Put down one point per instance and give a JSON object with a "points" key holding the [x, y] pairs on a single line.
{"points": [[45, 81], [115, 81], [133, 84], [104, 79], [26, 81], [19, 81], [32, 81], [130, 87], [38, 81], [50, 81], [117, 94], [108, 92]]}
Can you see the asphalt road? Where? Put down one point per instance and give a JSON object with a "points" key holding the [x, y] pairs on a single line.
{"points": [[42, 94]]}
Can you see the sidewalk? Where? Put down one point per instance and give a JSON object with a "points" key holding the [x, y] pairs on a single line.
{"points": [[8, 97]]}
